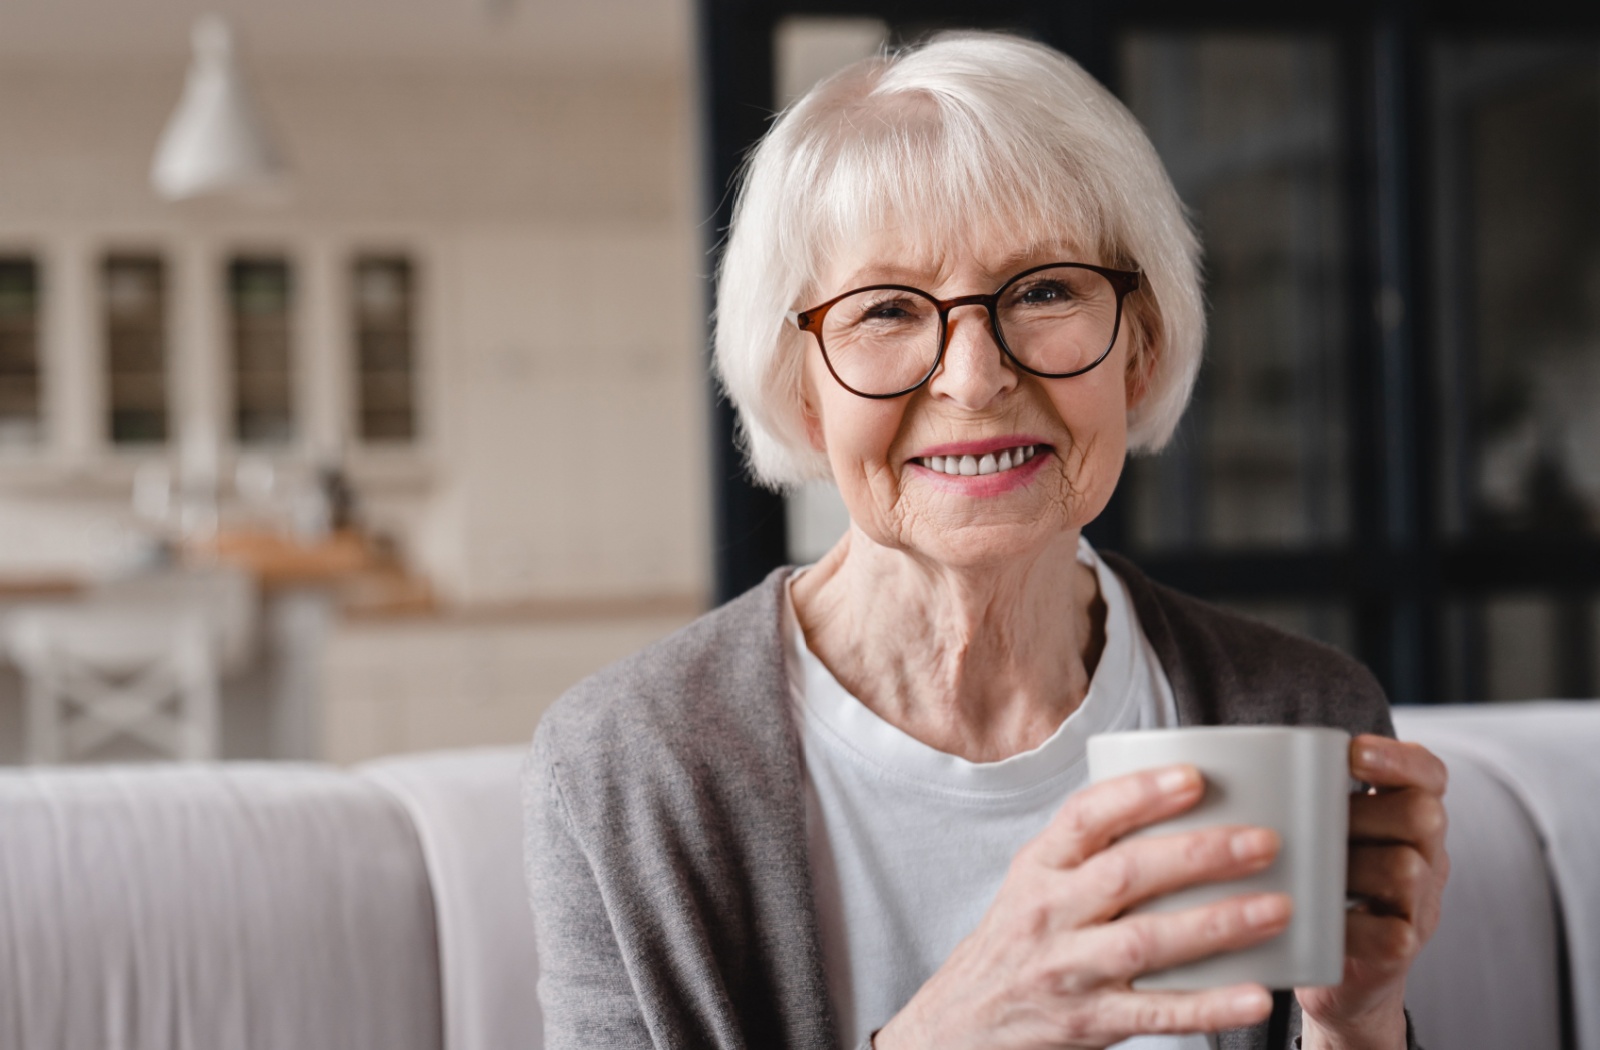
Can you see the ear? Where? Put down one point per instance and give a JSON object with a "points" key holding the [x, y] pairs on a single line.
{"points": [[810, 412], [1141, 373]]}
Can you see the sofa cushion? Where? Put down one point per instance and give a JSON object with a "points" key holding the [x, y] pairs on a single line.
{"points": [[238, 907], [467, 810]]}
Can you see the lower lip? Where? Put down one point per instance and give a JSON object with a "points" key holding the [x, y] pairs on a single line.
{"points": [[980, 485]]}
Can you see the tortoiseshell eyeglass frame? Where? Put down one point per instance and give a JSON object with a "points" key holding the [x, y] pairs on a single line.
{"points": [[1122, 282]]}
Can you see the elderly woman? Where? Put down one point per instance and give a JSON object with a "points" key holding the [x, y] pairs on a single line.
{"points": [[849, 808]]}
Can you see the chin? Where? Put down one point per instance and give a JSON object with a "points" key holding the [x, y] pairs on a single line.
{"points": [[990, 546]]}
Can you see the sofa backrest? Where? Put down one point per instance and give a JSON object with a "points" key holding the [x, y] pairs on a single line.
{"points": [[276, 907], [232, 907], [1516, 960]]}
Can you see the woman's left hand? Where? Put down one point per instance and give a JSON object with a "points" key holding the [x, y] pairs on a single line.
{"points": [[1398, 868]]}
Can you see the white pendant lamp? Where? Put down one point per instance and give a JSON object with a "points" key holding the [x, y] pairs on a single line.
{"points": [[216, 141]]}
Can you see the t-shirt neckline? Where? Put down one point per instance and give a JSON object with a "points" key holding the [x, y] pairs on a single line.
{"points": [[845, 723]]}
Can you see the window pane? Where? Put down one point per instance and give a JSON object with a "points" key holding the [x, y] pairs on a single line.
{"points": [[385, 349], [1247, 127], [1518, 194], [134, 301], [1523, 647], [20, 422], [259, 294]]}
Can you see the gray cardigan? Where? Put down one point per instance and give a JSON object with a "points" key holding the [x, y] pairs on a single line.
{"points": [[665, 827]]}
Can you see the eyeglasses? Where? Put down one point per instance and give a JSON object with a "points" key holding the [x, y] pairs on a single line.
{"points": [[1054, 321]]}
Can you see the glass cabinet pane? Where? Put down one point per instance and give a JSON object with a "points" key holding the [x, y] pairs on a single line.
{"points": [[1247, 126], [259, 301], [20, 416], [1517, 172], [133, 293], [385, 349]]}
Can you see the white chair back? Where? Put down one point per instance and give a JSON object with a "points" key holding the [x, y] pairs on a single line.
{"points": [[95, 673]]}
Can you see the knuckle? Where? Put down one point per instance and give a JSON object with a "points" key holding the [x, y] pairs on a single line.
{"points": [[1401, 943], [1076, 822], [1202, 850], [1219, 923], [1151, 1015], [1116, 873], [1036, 920], [1432, 820], [1135, 949], [1076, 1026], [1411, 868]]}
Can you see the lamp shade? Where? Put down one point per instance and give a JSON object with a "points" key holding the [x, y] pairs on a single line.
{"points": [[216, 140]]}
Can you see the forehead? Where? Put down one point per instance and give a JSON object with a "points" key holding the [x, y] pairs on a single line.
{"points": [[898, 254]]}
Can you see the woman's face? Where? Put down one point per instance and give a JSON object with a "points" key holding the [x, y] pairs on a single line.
{"points": [[977, 403]]}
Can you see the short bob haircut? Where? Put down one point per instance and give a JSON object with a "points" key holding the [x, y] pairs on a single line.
{"points": [[952, 141]]}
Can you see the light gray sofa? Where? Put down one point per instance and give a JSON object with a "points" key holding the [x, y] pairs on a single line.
{"points": [[277, 907]]}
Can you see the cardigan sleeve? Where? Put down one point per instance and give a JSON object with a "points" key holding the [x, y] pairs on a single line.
{"points": [[584, 990]]}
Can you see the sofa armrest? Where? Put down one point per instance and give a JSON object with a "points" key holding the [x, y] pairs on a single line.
{"points": [[224, 907]]}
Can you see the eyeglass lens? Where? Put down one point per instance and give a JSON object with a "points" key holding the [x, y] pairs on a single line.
{"points": [[885, 340]]}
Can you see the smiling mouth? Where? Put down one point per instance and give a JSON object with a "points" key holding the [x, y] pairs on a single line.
{"points": [[988, 463]]}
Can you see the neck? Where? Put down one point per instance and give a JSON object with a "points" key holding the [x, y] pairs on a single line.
{"points": [[983, 662]]}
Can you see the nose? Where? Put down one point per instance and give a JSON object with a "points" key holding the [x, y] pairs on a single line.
{"points": [[974, 371]]}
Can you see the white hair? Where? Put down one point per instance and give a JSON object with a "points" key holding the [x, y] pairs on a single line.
{"points": [[950, 141]]}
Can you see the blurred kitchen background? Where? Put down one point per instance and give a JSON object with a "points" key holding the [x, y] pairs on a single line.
{"points": [[353, 395]]}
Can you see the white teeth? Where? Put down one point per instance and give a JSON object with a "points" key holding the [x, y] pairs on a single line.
{"points": [[989, 463]]}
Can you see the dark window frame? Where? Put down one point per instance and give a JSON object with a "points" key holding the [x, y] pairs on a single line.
{"points": [[1399, 570]]}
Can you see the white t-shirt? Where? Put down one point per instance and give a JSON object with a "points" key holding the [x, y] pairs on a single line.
{"points": [[909, 845]]}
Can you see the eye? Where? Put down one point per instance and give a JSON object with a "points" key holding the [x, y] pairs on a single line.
{"points": [[1043, 293], [885, 310]]}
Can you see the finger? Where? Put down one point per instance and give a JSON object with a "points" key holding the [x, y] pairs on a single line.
{"points": [[1408, 815], [1387, 763], [1390, 880], [1100, 814], [1154, 941], [1124, 1014], [1378, 945], [1117, 878]]}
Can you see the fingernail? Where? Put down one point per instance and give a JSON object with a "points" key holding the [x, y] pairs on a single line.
{"points": [[1372, 756], [1266, 911], [1252, 844], [1176, 780]]}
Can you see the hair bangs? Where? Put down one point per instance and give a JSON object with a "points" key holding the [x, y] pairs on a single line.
{"points": [[941, 179]]}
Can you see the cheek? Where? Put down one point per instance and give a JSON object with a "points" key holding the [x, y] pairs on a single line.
{"points": [[1096, 417], [856, 433]]}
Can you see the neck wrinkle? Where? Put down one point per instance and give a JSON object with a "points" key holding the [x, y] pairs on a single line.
{"points": [[983, 662]]}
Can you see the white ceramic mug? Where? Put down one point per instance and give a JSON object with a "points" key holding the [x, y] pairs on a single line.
{"points": [[1294, 780]]}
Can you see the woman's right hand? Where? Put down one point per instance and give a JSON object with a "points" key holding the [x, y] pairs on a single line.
{"points": [[1051, 961]]}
